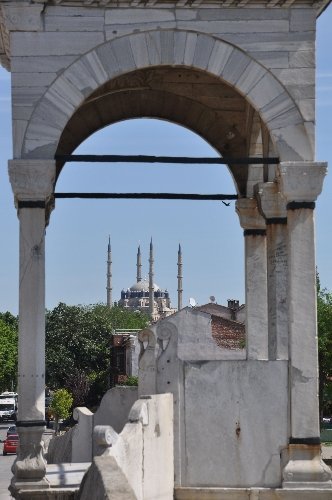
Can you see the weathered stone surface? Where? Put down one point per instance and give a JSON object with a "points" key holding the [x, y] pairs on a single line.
{"points": [[235, 66], [305, 76], [221, 27], [249, 77], [244, 450], [302, 59], [256, 279], [266, 90], [301, 181], [140, 50], [272, 59], [138, 16], [74, 23], [270, 42], [53, 44], [22, 18], [39, 64], [32, 179], [203, 51], [273, 207], [115, 406], [293, 143], [302, 20], [219, 57], [41, 79]]}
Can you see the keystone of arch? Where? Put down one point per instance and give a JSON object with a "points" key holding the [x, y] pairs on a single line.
{"points": [[163, 48]]}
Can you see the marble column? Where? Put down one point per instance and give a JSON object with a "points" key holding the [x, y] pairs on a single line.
{"points": [[273, 208], [32, 183], [255, 278], [300, 184]]}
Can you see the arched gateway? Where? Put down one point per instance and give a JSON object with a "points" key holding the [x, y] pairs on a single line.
{"points": [[239, 74]]}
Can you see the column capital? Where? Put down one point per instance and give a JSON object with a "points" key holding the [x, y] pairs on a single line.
{"points": [[32, 183], [249, 215], [32, 179], [301, 181], [271, 203]]}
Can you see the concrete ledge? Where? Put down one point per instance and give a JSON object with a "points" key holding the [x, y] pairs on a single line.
{"points": [[251, 494], [66, 475]]}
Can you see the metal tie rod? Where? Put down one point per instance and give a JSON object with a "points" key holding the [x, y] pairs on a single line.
{"points": [[167, 159], [149, 196]]}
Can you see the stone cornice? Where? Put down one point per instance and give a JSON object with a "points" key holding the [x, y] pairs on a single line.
{"points": [[319, 5]]}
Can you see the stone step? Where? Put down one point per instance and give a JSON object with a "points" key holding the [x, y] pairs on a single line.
{"points": [[251, 494]]}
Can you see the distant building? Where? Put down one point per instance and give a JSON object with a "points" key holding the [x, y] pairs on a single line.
{"points": [[145, 295], [227, 323]]}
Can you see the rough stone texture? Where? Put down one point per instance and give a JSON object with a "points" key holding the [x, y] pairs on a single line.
{"points": [[105, 480], [76, 445], [216, 406], [245, 451], [256, 279], [273, 207], [196, 340], [114, 407], [138, 463], [60, 449]]}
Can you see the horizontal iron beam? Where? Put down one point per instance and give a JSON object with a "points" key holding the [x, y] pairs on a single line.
{"points": [[149, 196], [167, 159]]}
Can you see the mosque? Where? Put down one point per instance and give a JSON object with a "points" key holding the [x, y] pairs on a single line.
{"points": [[145, 295]]}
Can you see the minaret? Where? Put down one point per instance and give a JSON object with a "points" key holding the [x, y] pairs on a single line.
{"points": [[180, 289], [139, 265], [151, 287], [109, 274]]}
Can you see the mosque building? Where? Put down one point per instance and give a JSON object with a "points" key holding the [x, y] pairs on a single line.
{"points": [[145, 295]]}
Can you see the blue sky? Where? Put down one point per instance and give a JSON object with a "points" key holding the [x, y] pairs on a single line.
{"points": [[209, 232]]}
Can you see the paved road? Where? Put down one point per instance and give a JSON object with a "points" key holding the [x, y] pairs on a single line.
{"points": [[5, 465]]}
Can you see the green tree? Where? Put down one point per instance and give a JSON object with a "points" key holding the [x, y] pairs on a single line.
{"points": [[61, 404], [324, 322], [78, 337], [10, 320], [8, 353]]}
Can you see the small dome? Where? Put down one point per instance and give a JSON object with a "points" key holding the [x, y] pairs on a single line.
{"points": [[143, 286]]}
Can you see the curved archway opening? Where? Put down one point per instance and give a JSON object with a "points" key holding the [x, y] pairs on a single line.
{"points": [[209, 232], [191, 98]]}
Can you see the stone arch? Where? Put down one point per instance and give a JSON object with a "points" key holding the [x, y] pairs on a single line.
{"points": [[172, 48]]}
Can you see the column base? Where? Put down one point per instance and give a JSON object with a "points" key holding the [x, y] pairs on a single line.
{"points": [[305, 468], [18, 488], [29, 468]]}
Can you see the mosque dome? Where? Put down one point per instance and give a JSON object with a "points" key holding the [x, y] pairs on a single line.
{"points": [[143, 286]]}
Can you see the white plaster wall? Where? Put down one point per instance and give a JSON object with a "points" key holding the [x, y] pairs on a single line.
{"points": [[235, 423], [282, 40], [195, 341]]}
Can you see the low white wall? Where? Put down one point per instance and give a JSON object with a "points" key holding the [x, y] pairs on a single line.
{"points": [[230, 415], [115, 406], [77, 444], [138, 462]]}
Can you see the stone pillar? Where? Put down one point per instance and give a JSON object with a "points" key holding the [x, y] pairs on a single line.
{"points": [[32, 183], [300, 183], [255, 278], [273, 207]]}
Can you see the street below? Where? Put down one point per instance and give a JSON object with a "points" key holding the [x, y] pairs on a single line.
{"points": [[5, 464]]}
